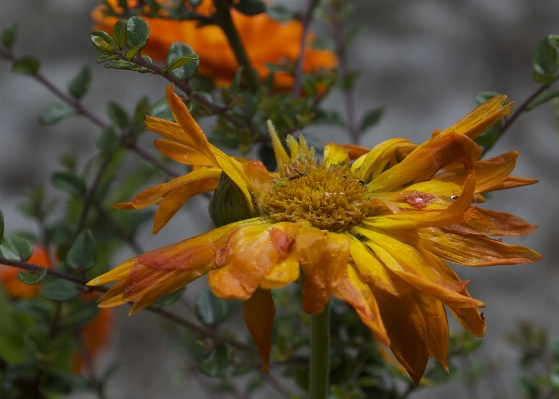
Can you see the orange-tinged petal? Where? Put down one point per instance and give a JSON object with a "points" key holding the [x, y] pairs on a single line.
{"points": [[479, 119], [284, 272], [418, 329], [177, 198], [355, 292], [512, 182], [472, 250], [251, 255], [355, 151], [371, 269], [335, 154], [323, 258], [181, 153], [259, 312], [422, 163], [491, 223], [152, 194]]}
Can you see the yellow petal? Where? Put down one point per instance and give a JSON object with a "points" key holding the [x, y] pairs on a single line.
{"points": [[118, 273], [182, 153], [323, 258], [355, 292], [371, 269], [480, 118], [177, 198], [281, 155], [284, 272], [473, 250], [152, 194], [335, 154], [259, 312], [422, 163], [374, 162]]}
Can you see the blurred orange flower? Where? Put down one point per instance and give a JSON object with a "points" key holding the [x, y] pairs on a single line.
{"points": [[265, 40], [13, 286]]}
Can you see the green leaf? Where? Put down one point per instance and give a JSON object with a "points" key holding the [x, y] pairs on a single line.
{"points": [[137, 32], [60, 290], [216, 363], [488, 138], [543, 98], [79, 85], [210, 309], [161, 110], [82, 254], [323, 43], [348, 80], [323, 117], [133, 52], [103, 41], [69, 182], [55, 113], [15, 247], [107, 141], [117, 114], [168, 299], [370, 118], [281, 13], [119, 32], [8, 35], [545, 60], [31, 278], [26, 66], [250, 7], [178, 51], [181, 61], [1, 226], [106, 57]]}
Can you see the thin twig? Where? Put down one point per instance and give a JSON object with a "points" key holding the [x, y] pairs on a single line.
{"points": [[344, 71], [307, 18], [521, 108]]}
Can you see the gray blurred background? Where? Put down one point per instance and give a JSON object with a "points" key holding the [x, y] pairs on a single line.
{"points": [[423, 60]]}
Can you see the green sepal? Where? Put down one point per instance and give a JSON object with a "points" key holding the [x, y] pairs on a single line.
{"points": [[15, 247], [228, 204], [60, 290], [78, 86], [32, 278], [8, 35], [26, 66], [55, 113], [82, 254]]}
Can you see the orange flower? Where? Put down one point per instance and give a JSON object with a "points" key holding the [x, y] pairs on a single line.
{"points": [[265, 40], [13, 286], [374, 232]]}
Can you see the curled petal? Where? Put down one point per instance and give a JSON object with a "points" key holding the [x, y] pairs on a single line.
{"points": [[355, 292], [323, 258], [284, 272], [372, 164], [259, 312], [355, 151], [472, 250], [422, 163]]}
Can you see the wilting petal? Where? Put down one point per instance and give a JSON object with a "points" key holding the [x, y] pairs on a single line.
{"points": [[355, 151], [177, 198], [370, 267], [418, 329], [251, 255], [492, 223], [479, 119], [355, 292], [473, 250], [512, 182], [259, 312], [453, 214], [284, 272], [422, 163], [323, 258], [152, 194], [408, 264], [182, 153], [335, 154], [371, 165]]}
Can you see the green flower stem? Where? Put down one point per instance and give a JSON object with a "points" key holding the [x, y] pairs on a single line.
{"points": [[320, 354], [225, 22]]}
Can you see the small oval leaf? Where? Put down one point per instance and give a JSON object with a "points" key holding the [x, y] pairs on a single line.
{"points": [[60, 290], [137, 32], [82, 253], [210, 309], [31, 278]]}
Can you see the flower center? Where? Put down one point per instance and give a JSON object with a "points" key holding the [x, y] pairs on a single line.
{"points": [[328, 197]]}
